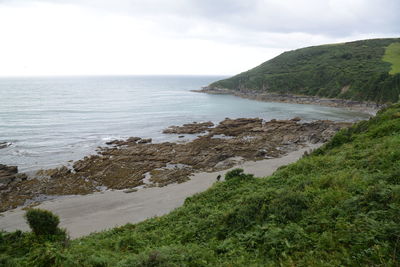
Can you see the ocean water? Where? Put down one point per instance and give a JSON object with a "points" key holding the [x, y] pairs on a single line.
{"points": [[50, 121]]}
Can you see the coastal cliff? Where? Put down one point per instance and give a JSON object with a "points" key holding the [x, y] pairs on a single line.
{"points": [[361, 71]]}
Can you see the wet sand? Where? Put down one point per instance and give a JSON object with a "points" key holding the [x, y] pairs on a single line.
{"points": [[82, 215]]}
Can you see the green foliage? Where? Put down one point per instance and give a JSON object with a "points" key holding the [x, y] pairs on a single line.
{"points": [[47, 255], [28, 249], [339, 206], [15, 244], [171, 256], [355, 70], [6, 260], [42, 222], [237, 173], [392, 55]]}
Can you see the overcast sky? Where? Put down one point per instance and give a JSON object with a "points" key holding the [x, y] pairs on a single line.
{"points": [[119, 37]]}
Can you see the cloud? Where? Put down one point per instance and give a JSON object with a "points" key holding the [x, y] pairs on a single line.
{"points": [[332, 18], [180, 36]]}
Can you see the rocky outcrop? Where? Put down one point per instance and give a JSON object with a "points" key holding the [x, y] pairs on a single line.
{"points": [[129, 141], [137, 162], [145, 141], [9, 174], [237, 127], [4, 145], [189, 128]]}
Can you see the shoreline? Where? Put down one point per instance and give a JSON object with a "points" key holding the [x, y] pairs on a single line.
{"points": [[85, 214], [370, 108], [136, 163]]}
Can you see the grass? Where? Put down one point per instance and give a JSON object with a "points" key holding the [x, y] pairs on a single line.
{"points": [[339, 206], [392, 55]]}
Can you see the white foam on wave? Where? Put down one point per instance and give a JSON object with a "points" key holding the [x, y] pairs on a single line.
{"points": [[111, 138], [23, 152]]}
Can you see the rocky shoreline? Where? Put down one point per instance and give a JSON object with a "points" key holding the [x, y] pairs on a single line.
{"points": [[138, 163], [365, 107]]}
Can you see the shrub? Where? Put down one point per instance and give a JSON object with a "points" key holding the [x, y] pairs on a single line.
{"points": [[48, 255], [237, 173], [250, 211], [42, 222], [6, 260], [288, 206]]}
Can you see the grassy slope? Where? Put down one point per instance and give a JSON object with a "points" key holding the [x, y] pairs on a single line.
{"points": [[327, 71], [338, 206], [392, 55]]}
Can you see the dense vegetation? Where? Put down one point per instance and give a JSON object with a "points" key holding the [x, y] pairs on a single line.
{"points": [[361, 70], [338, 206]]}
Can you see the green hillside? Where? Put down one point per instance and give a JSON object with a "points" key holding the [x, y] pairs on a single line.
{"points": [[366, 70], [339, 206], [392, 55]]}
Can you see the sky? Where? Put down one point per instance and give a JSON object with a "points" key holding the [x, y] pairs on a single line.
{"points": [[176, 37]]}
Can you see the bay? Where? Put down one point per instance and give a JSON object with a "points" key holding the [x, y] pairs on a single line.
{"points": [[52, 120]]}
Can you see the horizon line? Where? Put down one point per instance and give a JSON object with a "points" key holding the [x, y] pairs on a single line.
{"points": [[105, 75]]}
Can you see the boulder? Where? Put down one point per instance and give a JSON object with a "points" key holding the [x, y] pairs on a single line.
{"points": [[129, 141], [296, 119], [7, 173], [4, 145], [189, 128], [145, 141]]}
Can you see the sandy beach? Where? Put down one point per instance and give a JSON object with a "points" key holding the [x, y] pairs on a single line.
{"points": [[82, 215]]}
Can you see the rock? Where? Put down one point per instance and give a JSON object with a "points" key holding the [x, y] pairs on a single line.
{"points": [[129, 141], [296, 119], [57, 172], [21, 177], [189, 128], [113, 142], [261, 153], [230, 127], [8, 173], [130, 190], [145, 141], [4, 145], [133, 139], [314, 139], [80, 165], [223, 165]]}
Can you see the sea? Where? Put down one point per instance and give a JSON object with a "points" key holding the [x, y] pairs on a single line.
{"points": [[52, 121]]}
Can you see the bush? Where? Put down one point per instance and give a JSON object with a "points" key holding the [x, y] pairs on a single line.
{"points": [[43, 222], [48, 255], [6, 260], [237, 173]]}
